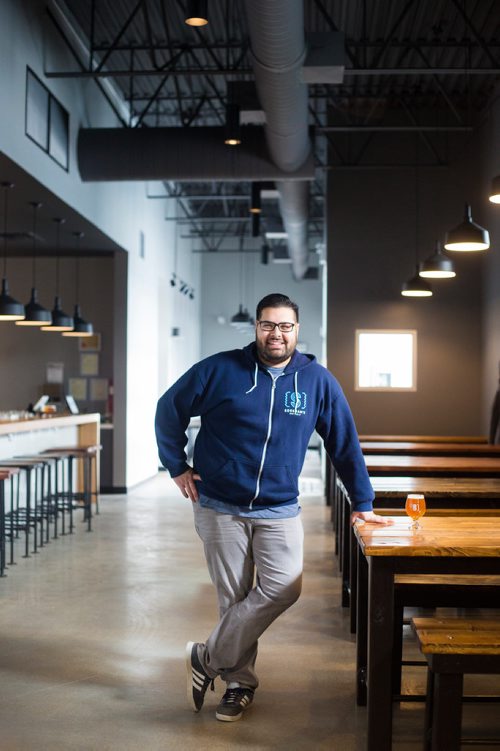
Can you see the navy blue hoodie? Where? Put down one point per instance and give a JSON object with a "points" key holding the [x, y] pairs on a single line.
{"points": [[255, 431]]}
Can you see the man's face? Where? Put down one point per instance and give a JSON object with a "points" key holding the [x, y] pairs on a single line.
{"points": [[276, 347]]}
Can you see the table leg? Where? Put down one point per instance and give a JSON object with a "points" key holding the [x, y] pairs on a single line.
{"points": [[346, 550], [362, 622], [353, 578], [380, 638]]}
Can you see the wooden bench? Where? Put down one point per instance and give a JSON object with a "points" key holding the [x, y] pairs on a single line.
{"points": [[430, 591], [453, 647]]}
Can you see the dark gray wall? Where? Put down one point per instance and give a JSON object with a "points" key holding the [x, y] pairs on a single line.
{"points": [[25, 351], [371, 240]]}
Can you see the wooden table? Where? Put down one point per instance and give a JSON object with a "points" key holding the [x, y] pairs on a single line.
{"points": [[415, 448], [427, 438], [461, 492], [450, 545], [470, 494], [465, 466]]}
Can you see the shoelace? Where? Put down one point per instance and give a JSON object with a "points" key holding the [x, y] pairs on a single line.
{"points": [[233, 695]]}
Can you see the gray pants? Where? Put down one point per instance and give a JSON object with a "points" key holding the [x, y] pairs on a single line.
{"points": [[236, 548]]}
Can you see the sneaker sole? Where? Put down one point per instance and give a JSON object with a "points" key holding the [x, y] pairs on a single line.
{"points": [[228, 718], [189, 676]]}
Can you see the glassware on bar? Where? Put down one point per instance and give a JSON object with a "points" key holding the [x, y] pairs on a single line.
{"points": [[415, 508]]}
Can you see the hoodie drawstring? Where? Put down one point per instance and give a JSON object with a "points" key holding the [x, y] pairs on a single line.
{"points": [[254, 379], [295, 382]]}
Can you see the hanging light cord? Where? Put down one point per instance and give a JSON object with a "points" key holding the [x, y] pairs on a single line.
{"points": [[35, 211], [5, 206], [57, 254], [78, 235]]}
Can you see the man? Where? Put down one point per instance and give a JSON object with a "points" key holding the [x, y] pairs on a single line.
{"points": [[258, 407]]}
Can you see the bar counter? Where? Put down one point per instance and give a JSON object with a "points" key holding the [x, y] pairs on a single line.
{"points": [[30, 436]]}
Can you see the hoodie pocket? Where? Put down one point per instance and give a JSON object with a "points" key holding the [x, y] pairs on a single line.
{"points": [[234, 482], [277, 484]]}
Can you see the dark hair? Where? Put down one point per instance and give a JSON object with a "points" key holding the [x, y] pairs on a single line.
{"points": [[276, 300]]}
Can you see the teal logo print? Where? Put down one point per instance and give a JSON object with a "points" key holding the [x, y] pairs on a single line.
{"points": [[295, 402]]}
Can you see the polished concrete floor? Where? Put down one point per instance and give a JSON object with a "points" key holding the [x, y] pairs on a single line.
{"points": [[93, 631]]}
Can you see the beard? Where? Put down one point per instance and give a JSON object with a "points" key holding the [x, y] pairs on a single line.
{"points": [[274, 356]]}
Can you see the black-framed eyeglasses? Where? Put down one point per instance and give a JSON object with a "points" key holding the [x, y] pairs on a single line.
{"points": [[285, 327]]}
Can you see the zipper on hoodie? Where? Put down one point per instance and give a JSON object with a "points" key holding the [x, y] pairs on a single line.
{"points": [[269, 429]]}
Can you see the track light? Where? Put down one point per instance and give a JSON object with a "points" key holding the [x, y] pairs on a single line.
{"points": [[437, 266], [196, 13], [467, 236], [494, 196]]}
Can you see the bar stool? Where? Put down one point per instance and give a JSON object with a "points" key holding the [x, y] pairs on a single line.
{"points": [[31, 515], [8, 516], [87, 455]]}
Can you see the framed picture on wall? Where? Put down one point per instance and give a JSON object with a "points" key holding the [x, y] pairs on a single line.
{"points": [[90, 343], [89, 364]]}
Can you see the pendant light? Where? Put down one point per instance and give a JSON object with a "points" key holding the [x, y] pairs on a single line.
{"points": [[10, 309], [468, 236], [437, 266], [255, 203], [60, 320], [232, 133], [494, 196], [416, 286], [80, 327], [196, 13], [35, 314]]}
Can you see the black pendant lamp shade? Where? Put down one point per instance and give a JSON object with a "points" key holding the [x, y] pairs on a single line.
{"points": [[494, 196], [468, 236], [437, 266], [241, 317], [196, 13], [60, 320], [34, 313], [80, 326], [10, 309], [416, 287]]}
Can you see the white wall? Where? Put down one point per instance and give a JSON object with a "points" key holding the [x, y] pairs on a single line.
{"points": [[121, 211]]}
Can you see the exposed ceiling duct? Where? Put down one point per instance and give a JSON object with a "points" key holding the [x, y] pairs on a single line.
{"points": [[180, 155], [278, 52], [189, 154]]}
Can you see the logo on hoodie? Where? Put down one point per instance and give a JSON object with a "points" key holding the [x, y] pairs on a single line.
{"points": [[295, 402]]}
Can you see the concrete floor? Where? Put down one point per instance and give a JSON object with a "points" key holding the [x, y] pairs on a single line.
{"points": [[93, 631]]}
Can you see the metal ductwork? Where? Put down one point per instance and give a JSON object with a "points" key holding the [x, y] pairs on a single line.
{"points": [[198, 154], [278, 52], [179, 154]]}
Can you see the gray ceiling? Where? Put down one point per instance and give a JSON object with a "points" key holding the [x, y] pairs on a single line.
{"points": [[424, 68]]}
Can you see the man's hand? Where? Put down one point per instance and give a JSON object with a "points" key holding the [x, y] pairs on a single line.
{"points": [[185, 483], [370, 516]]}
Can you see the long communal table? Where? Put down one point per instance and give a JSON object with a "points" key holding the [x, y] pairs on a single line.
{"points": [[444, 545], [416, 448], [426, 438], [441, 493], [443, 496], [456, 466]]}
